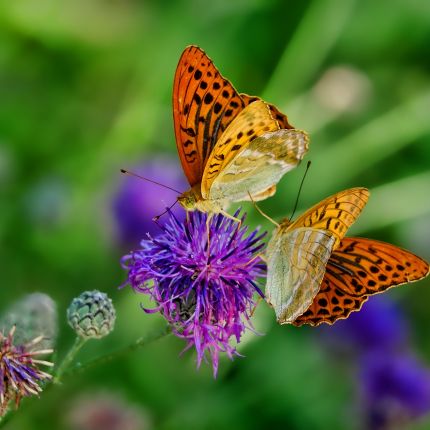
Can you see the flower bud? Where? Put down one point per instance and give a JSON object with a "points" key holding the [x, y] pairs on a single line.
{"points": [[91, 315], [33, 316]]}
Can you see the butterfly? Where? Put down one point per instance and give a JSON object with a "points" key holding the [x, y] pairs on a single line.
{"points": [[316, 275], [231, 146]]}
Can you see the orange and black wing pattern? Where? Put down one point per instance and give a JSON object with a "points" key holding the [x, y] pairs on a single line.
{"points": [[357, 269], [204, 104], [335, 213], [276, 113]]}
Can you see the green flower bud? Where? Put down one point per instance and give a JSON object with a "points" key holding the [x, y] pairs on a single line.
{"points": [[33, 316], [91, 315]]}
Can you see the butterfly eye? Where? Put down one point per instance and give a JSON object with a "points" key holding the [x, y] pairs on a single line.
{"points": [[187, 200]]}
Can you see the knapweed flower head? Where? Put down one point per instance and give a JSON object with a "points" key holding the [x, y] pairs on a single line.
{"points": [[20, 375], [202, 274], [92, 315]]}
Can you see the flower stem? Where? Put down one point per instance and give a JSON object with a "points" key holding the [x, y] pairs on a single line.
{"points": [[62, 370], [143, 341], [79, 343]]}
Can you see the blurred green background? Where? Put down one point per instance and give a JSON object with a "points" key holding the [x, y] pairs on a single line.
{"points": [[86, 89]]}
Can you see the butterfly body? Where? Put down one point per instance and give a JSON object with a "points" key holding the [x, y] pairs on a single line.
{"points": [[230, 145], [316, 275], [192, 200]]}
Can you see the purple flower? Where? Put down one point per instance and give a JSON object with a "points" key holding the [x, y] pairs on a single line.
{"points": [[379, 325], [207, 295], [19, 370], [138, 201], [395, 389]]}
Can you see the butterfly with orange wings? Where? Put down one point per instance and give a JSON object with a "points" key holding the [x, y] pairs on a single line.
{"points": [[231, 146], [316, 275]]}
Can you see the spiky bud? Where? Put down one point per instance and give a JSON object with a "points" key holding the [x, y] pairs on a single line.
{"points": [[91, 315]]}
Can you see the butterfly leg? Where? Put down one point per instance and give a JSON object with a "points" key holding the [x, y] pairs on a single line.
{"points": [[261, 212], [227, 215], [260, 256], [259, 299]]}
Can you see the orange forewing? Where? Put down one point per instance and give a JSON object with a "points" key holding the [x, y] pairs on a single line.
{"points": [[204, 103], [357, 269]]}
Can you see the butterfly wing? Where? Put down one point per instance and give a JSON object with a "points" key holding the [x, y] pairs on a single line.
{"points": [[276, 113], [269, 192], [295, 268], [335, 213], [252, 155], [204, 103], [357, 269], [260, 166]]}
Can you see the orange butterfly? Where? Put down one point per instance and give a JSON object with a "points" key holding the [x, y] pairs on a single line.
{"points": [[316, 275], [230, 145]]}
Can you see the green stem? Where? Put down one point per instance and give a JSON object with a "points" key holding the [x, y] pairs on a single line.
{"points": [[143, 341], [79, 343]]}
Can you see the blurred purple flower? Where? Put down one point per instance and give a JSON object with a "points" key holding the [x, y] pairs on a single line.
{"points": [[207, 295], [106, 411], [395, 390], [137, 201], [379, 325]]}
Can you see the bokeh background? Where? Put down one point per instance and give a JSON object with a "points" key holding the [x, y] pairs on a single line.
{"points": [[86, 89]]}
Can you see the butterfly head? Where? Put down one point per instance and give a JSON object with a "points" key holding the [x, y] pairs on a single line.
{"points": [[188, 200]]}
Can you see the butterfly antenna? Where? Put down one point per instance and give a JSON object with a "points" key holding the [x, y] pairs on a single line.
{"points": [[261, 212], [156, 218], [300, 190], [126, 172]]}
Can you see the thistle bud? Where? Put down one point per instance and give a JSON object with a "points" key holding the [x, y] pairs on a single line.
{"points": [[91, 315], [33, 316]]}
